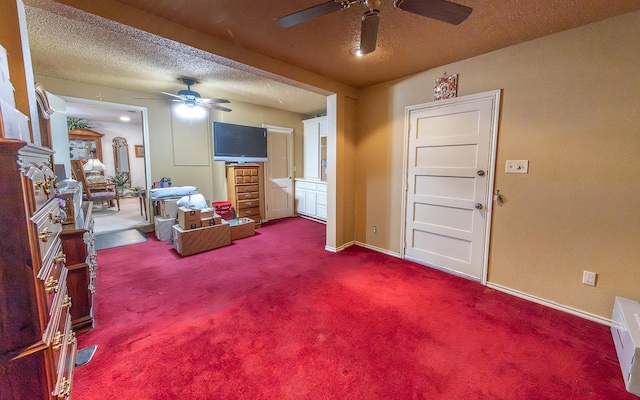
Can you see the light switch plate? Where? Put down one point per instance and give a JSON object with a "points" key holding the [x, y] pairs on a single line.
{"points": [[517, 167]]}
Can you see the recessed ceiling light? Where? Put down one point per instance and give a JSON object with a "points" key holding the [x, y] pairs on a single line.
{"points": [[125, 119], [356, 52]]}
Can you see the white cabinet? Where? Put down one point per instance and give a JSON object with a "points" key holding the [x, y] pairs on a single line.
{"points": [[315, 134], [311, 198]]}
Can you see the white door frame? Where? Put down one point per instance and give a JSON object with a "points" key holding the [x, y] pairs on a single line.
{"points": [[495, 95], [289, 169]]}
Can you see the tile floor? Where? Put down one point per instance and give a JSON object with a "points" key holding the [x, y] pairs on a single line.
{"points": [[109, 219]]}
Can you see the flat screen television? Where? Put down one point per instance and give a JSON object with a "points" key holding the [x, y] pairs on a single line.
{"points": [[239, 143]]}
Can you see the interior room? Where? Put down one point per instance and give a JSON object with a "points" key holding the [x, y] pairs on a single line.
{"points": [[441, 251]]}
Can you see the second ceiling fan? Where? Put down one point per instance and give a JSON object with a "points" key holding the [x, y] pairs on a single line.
{"points": [[441, 10]]}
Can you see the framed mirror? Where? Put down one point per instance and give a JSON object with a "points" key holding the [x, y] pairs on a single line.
{"points": [[121, 156]]}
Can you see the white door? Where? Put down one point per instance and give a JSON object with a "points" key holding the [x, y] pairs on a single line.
{"points": [[450, 168], [279, 173]]}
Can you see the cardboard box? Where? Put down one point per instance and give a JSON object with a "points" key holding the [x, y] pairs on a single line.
{"points": [[168, 208], [192, 241], [6, 88], [242, 228], [164, 227], [189, 218], [10, 122], [207, 212], [626, 338], [207, 221]]}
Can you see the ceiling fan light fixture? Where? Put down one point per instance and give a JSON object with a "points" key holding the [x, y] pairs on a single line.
{"points": [[191, 110]]}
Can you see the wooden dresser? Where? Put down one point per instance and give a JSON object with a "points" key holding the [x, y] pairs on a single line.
{"points": [[78, 245], [37, 344], [244, 188]]}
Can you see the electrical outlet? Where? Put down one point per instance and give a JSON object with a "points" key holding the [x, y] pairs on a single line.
{"points": [[375, 230], [517, 167], [589, 278]]}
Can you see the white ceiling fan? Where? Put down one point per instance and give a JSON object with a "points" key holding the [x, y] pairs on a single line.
{"points": [[191, 98]]}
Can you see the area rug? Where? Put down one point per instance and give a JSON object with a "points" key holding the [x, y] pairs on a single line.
{"points": [[120, 238]]}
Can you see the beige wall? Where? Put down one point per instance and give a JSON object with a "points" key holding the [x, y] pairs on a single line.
{"points": [[168, 139], [571, 106]]}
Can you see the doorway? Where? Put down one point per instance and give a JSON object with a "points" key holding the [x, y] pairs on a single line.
{"points": [[123, 132], [450, 152], [279, 173]]}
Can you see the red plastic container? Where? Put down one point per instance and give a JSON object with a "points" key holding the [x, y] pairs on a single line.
{"points": [[223, 208]]}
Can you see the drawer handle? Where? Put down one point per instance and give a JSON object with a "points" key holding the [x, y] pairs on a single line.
{"points": [[57, 341], [51, 285], [249, 212], [56, 219], [72, 337], [44, 234], [61, 259], [65, 388], [66, 302], [249, 203], [247, 196], [44, 184], [247, 189]]}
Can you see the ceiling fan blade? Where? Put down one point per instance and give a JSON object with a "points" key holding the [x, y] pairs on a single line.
{"points": [[441, 10], [170, 94], [215, 107], [369, 33], [219, 101], [310, 13]]}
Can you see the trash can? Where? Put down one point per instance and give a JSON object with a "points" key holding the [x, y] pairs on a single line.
{"points": [[223, 208]]}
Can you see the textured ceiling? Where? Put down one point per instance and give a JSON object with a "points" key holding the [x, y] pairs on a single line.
{"points": [[70, 44]]}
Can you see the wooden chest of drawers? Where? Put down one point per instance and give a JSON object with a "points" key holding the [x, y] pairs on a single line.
{"points": [[244, 186], [37, 343]]}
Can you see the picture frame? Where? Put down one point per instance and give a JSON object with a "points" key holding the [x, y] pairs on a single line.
{"points": [[445, 87], [139, 150]]}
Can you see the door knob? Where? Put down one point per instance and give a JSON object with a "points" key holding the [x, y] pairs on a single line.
{"points": [[480, 173], [479, 206]]}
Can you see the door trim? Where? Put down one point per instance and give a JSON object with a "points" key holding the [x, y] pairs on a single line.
{"points": [[493, 95]]}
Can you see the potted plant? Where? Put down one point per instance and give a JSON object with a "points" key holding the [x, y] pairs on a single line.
{"points": [[78, 123], [120, 180]]}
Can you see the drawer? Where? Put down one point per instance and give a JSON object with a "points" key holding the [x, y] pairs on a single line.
{"points": [[65, 357], [48, 227], [248, 195], [247, 179], [305, 185], [242, 204], [42, 181], [249, 212], [59, 309], [250, 171], [322, 199], [247, 188], [51, 274], [321, 212], [321, 187]]}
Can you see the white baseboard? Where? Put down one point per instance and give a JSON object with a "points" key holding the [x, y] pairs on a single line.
{"points": [[337, 249], [379, 249], [570, 310], [551, 304]]}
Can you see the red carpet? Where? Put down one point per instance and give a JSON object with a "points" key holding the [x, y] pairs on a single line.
{"points": [[275, 316]]}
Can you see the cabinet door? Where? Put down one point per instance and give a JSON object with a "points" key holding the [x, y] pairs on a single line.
{"points": [[300, 200], [312, 149], [310, 202]]}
